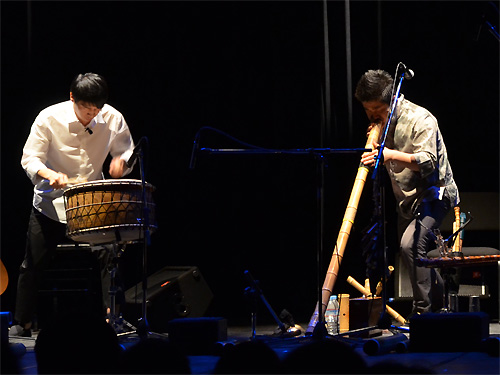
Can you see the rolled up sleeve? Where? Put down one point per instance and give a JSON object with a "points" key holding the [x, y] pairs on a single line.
{"points": [[35, 153], [425, 145]]}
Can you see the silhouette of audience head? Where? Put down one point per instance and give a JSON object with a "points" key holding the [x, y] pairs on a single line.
{"points": [[249, 357], [154, 356], [325, 356], [77, 345], [391, 367], [10, 361]]}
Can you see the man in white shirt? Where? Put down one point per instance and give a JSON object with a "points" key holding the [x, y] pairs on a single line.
{"points": [[69, 141]]}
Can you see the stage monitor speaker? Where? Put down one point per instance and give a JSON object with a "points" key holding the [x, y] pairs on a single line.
{"points": [[172, 292], [453, 332]]}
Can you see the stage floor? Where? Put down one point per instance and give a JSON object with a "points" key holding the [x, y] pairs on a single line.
{"points": [[441, 362]]}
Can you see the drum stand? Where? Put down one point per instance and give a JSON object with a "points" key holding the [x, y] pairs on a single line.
{"points": [[117, 322]]}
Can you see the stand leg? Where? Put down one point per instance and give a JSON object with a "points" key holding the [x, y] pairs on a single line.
{"points": [[254, 325], [251, 293], [115, 321], [446, 297]]}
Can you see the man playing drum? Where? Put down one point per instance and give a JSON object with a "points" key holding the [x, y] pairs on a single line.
{"points": [[68, 142]]}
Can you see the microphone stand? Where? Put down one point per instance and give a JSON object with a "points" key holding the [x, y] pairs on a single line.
{"points": [[143, 326], [379, 199], [319, 156], [320, 330]]}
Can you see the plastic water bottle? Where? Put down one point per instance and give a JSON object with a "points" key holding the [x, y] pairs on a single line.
{"points": [[332, 315]]}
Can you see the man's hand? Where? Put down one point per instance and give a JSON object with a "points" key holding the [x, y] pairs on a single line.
{"points": [[370, 127], [402, 158], [368, 158], [57, 180], [373, 141], [117, 167]]}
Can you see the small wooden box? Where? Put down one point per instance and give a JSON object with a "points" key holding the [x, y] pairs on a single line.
{"points": [[364, 312]]}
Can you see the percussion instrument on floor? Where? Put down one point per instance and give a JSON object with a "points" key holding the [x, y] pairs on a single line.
{"points": [[108, 211]]}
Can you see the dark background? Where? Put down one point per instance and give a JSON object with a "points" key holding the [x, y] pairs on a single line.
{"points": [[255, 71]]}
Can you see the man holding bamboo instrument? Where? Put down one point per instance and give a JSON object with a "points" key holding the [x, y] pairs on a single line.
{"points": [[422, 180]]}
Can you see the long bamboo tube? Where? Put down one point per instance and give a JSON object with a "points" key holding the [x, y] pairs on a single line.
{"points": [[345, 230]]}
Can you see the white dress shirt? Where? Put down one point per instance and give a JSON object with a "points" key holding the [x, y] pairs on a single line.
{"points": [[60, 142]]}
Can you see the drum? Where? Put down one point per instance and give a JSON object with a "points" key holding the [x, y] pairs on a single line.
{"points": [[108, 211]]}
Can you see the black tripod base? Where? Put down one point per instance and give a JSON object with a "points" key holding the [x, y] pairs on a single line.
{"points": [[319, 331], [384, 321], [143, 328], [144, 332]]}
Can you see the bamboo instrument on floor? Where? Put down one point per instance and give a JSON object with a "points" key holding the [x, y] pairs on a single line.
{"points": [[378, 289], [367, 285], [345, 230], [389, 309], [457, 245]]}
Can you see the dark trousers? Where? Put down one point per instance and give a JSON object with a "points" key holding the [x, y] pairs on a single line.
{"points": [[44, 234], [416, 242]]}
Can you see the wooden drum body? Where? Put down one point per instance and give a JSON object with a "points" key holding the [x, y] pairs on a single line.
{"points": [[108, 211]]}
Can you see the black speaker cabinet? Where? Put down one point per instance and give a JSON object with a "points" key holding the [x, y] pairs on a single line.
{"points": [[172, 292], [453, 332]]}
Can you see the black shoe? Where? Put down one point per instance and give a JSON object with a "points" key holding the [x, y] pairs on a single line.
{"points": [[18, 331], [411, 316], [406, 324]]}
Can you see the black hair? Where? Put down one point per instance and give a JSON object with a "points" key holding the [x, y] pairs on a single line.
{"points": [[374, 85], [90, 88]]}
